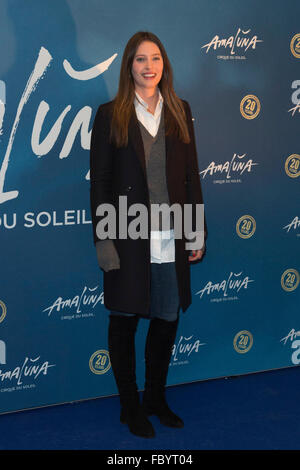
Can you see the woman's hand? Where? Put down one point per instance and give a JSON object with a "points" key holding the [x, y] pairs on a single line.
{"points": [[196, 254], [108, 257]]}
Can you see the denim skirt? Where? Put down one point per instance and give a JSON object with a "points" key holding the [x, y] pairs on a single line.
{"points": [[164, 298]]}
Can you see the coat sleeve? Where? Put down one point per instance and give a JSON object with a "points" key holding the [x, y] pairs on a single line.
{"points": [[101, 166], [193, 184]]}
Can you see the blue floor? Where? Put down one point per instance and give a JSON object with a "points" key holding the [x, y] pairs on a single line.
{"points": [[258, 411]]}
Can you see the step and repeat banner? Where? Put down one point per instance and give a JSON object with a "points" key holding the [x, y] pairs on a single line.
{"points": [[238, 65]]}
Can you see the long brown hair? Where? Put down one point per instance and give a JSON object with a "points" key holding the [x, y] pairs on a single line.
{"points": [[123, 102]]}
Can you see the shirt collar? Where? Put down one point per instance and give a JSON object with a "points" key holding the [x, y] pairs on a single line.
{"points": [[139, 100]]}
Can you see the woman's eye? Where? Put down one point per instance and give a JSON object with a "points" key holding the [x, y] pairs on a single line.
{"points": [[140, 59]]}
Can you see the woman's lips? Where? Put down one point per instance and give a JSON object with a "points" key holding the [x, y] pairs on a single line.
{"points": [[149, 76]]}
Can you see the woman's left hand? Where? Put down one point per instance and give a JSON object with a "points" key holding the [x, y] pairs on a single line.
{"points": [[196, 254]]}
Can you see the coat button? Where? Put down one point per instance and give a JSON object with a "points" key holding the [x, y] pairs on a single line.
{"points": [[129, 188]]}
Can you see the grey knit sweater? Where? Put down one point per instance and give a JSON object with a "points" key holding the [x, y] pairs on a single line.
{"points": [[155, 155]]}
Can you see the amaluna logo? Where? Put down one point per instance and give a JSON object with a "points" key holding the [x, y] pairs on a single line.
{"points": [[234, 283], [237, 166], [29, 368], [241, 40], [185, 347], [89, 296]]}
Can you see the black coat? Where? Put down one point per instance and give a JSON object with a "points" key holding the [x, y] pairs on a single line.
{"points": [[122, 171]]}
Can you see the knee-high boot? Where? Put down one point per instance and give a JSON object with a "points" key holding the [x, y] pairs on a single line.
{"points": [[160, 339], [121, 344]]}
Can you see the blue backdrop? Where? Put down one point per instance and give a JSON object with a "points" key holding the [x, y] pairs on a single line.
{"points": [[237, 64]]}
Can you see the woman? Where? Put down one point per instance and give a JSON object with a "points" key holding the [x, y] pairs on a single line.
{"points": [[143, 149]]}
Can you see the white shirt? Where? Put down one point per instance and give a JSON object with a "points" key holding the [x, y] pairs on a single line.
{"points": [[149, 120], [162, 243]]}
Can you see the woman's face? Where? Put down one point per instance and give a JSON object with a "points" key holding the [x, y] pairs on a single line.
{"points": [[147, 66]]}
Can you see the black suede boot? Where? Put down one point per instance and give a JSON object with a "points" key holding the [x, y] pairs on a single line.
{"points": [[121, 344], [158, 351]]}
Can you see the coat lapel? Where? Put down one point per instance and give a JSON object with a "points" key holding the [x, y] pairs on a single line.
{"points": [[135, 136]]}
